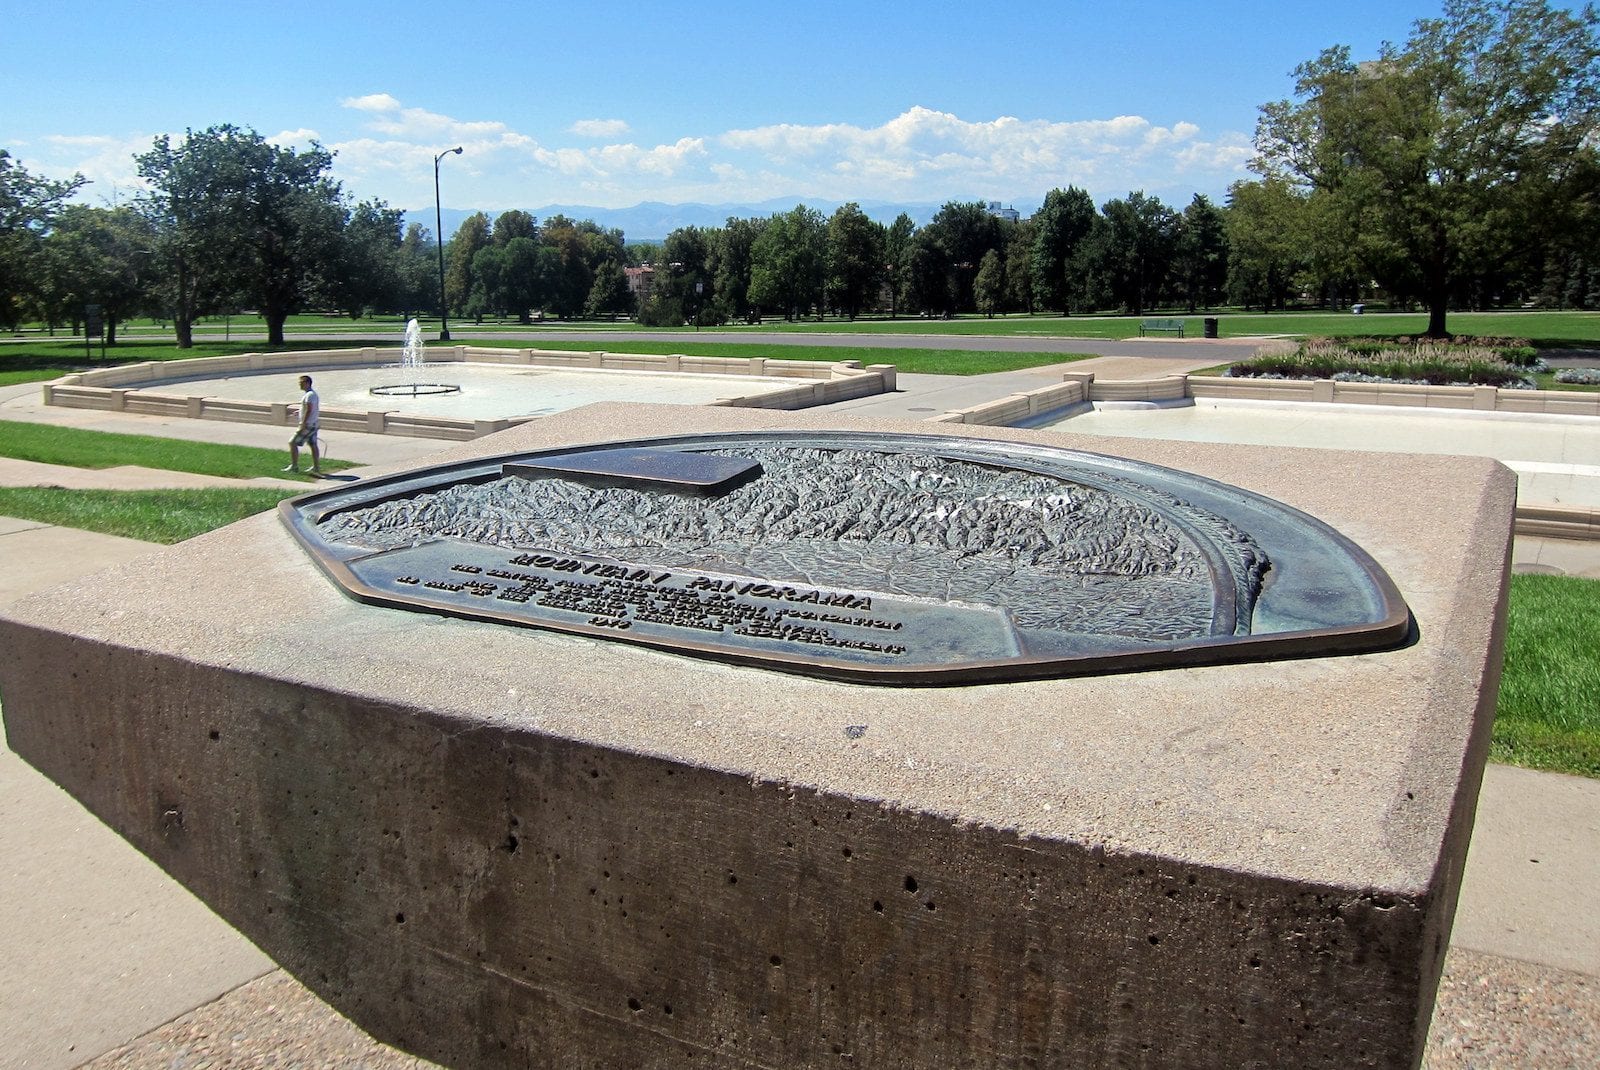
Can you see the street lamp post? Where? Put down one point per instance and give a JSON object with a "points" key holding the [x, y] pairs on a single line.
{"points": [[438, 221]]}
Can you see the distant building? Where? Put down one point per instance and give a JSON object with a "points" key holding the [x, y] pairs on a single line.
{"points": [[1008, 213], [641, 280]]}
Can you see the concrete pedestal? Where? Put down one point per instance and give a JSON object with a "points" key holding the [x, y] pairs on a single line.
{"points": [[501, 847]]}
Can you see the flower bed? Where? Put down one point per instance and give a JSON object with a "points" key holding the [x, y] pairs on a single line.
{"points": [[1504, 362]]}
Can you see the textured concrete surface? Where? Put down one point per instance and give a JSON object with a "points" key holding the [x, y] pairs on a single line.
{"points": [[91, 923], [1493, 1014], [1533, 871], [654, 810], [272, 1022], [1559, 557], [1500, 1014], [98, 944], [56, 554], [1492, 1011]]}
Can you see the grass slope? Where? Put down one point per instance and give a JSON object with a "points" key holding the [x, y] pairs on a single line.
{"points": [[1549, 710], [42, 360], [78, 448], [924, 361], [1547, 327], [164, 516]]}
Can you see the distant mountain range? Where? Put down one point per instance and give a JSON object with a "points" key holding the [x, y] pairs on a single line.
{"points": [[653, 221]]}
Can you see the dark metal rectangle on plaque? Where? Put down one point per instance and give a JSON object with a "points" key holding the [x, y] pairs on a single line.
{"points": [[673, 471]]}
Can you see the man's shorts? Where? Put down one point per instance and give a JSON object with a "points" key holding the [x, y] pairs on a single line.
{"points": [[303, 436]]}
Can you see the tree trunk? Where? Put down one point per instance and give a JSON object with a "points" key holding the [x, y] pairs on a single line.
{"points": [[1438, 305], [1436, 312], [1438, 298], [183, 311], [275, 319]]}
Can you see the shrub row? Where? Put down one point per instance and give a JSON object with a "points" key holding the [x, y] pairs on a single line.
{"points": [[1481, 362]]}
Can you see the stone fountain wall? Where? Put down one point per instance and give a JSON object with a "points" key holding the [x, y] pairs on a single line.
{"points": [[135, 387]]}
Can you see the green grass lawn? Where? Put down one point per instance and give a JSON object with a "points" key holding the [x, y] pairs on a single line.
{"points": [[49, 444], [1546, 329], [35, 375], [41, 360], [1550, 329], [1549, 710], [925, 361], [164, 516]]}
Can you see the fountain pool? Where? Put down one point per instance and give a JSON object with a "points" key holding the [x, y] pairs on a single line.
{"points": [[485, 391], [488, 389], [412, 360]]}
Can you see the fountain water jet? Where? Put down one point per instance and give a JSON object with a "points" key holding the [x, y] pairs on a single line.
{"points": [[412, 360]]}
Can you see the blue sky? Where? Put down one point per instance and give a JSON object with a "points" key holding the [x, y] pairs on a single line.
{"points": [[611, 104]]}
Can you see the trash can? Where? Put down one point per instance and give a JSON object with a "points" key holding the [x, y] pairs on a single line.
{"points": [[1358, 309], [1211, 326]]}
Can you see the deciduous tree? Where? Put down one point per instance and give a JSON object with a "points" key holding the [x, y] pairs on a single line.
{"points": [[989, 287], [28, 205], [370, 275], [1266, 240], [965, 231], [788, 262], [896, 246], [609, 295], [1434, 149], [238, 217], [1136, 250], [98, 256], [1061, 224], [472, 235], [730, 265], [854, 259]]}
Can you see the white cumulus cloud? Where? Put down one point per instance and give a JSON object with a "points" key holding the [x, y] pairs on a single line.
{"points": [[385, 147], [599, 128], [372, 102], [927, 154]]}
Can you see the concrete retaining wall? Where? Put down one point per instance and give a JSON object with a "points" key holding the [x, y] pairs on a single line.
{"points": [[1172, 388], [1082, 388], [120, 389]]}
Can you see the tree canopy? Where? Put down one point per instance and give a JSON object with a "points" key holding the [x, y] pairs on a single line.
{"points": [[240, 220], [1461, 167], [28, 207], [1429, 163]]}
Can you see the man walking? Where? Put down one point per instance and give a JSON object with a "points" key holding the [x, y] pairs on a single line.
{"points": [[306, 434]]}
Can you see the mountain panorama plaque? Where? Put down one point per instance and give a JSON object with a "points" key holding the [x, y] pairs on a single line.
{"points": [[856, 556]]}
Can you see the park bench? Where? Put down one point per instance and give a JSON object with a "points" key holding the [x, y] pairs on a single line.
{"points": [[1145, 326]]}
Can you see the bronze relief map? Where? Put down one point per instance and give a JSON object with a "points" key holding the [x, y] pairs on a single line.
{"points": [[864, 557]]}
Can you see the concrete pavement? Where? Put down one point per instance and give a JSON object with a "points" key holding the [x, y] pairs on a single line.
{"points": [[109, 961]]}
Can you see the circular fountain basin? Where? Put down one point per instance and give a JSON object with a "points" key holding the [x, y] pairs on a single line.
{"points": [[483, 391], [393, 390], [496, 389]]}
